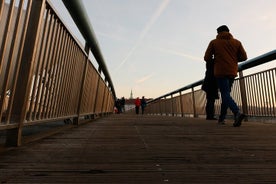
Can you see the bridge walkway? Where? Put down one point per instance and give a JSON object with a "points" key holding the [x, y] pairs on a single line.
{"points": [[147, 149]]}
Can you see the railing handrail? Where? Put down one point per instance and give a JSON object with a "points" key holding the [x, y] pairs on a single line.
{"points": [[270, 56], [79, 15], [242, 66]]}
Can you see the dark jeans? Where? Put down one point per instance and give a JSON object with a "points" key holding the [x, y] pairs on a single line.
{"points": [[225, 85]]}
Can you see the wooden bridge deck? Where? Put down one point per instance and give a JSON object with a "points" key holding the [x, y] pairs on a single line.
{"points": [[129, 149]]}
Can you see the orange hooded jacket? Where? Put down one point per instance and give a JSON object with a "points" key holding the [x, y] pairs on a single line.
{"points": [[226, 52]]}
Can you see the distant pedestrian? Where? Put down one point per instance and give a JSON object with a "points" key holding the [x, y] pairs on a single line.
{"points": [[226, 52], [211, 89], [143, 104], [118, 106], [137, 105], [123, 102]]}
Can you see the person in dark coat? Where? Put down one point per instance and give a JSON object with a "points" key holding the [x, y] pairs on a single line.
{"points": [[123, 102], [143, 104], [211, 88]]}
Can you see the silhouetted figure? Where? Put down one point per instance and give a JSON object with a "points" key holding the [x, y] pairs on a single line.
{"points": [[211, 88], [137, 105], [118, 106], [143, 104], [226, 52], [123, 102]]}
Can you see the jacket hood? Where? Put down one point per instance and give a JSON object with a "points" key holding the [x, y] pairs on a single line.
{"points": [[224, 35]]}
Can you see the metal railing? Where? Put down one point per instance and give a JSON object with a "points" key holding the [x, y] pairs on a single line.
{"points": [[254, 94], [45, 74]]}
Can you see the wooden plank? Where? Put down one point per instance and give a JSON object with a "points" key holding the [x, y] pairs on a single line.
{"points": [[147, 149]]}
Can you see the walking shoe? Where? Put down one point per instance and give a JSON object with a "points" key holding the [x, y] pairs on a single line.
{"points": [[221, 122], [238, 119]]}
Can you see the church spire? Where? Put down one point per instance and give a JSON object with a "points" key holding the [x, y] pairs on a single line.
{"points": [[131, 95]]}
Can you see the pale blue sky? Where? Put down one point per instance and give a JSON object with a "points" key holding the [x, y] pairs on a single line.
{"points": [[153, 47]]}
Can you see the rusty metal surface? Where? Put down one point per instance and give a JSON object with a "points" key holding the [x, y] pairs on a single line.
{"points": [[147, 149]]}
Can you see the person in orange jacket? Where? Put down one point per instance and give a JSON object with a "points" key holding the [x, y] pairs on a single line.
{"points": [[137, 105], [226, 52]]}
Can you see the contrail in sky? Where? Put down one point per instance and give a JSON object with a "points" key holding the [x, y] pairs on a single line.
{"points": [[145, 78], [153, 19], [178, 53]]}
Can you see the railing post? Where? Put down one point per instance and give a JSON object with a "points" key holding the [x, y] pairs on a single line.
{"points": [[243, 94], [104, 98], [107, 101], [172, 105], [194, 105], [166, 111], [22, 88], [97, 93], [181, 104], [76, 119], [160, 107], [1, 8]]}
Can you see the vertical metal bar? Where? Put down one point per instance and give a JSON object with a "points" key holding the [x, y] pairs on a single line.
{"points": [[11, 56], [181, 103], [271, 92], [67, 82], [64, 85], [160, 110], [243, 94], [7, 29], [2, 4], [165, 105], [172, 104], [263, 95], [84, 75], [39, 84], [274, 91], [254, 90], [25, 74], [94, 85], [257, 92], [37, 74], [267, 91], [49, 67], [60, 73], [44, 78], [19, 58], [249, 95], [105, 103], [194, 105], [97, 94], [53, 70], [104, 98], [67, 87]]}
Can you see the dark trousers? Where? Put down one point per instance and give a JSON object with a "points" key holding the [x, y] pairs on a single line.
{"points": [[210, 108], [137, 109]]}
